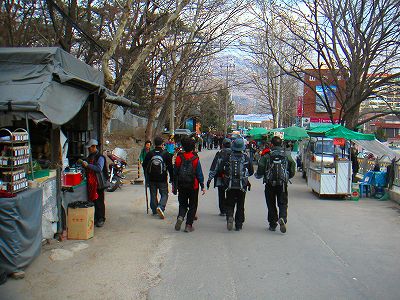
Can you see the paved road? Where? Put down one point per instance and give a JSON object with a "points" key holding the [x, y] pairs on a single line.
{"points": [[333, 249]]}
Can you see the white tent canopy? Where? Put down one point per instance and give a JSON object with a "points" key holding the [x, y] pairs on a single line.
{"points": [[377, 148]]}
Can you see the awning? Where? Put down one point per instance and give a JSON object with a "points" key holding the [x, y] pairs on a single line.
{"points": [[377, 148], [49, 81], [339, 131]]}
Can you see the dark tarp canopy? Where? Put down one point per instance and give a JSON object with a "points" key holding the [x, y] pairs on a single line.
{"points": [[49, 81]]}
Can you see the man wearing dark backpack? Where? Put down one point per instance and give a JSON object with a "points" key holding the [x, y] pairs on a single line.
{"points": [[188, 176], [156, 165], [276, 168], [236, 168], [218, 177]]}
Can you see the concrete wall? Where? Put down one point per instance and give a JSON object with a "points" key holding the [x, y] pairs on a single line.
{"points": [[127, 124]]}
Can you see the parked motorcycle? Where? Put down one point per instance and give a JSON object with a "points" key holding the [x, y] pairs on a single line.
{"points": [[116, 168]]}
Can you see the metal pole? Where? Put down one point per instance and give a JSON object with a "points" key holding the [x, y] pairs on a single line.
{"points": [[29, 145], [226, 101]]}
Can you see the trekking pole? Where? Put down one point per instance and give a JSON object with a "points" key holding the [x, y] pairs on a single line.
{"points": [[147, 196]]}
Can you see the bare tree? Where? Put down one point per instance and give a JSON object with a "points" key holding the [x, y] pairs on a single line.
{"points": [[355, 40]]}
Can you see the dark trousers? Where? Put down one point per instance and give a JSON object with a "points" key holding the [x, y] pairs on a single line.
{"points": [[188, 200], [235, 198], [276, 195], [221, 199], [162, 188], [99, 207]]}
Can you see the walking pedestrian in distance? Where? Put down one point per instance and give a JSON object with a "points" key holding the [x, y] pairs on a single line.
{"points": [[157, 163], [218, 177], [188, 177], [276, 168], [236, 168]]}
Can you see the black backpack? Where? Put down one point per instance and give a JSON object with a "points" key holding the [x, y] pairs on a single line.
{"points": [[276, 172], [156, 165], [235, 173], [186, 172]]}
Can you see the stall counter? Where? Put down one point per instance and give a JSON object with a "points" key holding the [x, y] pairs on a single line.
{"points": [[333, 183], [20, 229]]}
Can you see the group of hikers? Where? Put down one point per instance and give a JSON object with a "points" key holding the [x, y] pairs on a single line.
{"points": [[230, 170]]}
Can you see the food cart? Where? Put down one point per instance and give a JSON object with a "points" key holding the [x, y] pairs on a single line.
{"points": [[333, 178]]}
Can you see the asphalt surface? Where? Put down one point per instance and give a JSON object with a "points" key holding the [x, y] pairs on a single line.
{"points": [[333, 249]]}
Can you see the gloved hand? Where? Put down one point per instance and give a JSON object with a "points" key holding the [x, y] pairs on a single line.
{"points": [[208, 184]]}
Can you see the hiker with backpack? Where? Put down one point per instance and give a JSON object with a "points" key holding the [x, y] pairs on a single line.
{"points": [[236, 168], [218, 177], [188, 176], [157, 163], [276, 168]]}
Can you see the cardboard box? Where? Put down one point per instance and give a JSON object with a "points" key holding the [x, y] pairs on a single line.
{"points": [[80, 223]]}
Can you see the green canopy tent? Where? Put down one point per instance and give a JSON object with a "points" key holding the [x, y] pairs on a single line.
{"points": [[339, 131], [258, 133], [294, 133]]}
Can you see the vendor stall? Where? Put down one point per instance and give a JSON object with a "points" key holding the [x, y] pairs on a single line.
{"points": [[57, 100], [333, 177]]}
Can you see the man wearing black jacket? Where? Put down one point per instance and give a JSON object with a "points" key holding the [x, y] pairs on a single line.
{"points": [[218, 177], [156, 164]]}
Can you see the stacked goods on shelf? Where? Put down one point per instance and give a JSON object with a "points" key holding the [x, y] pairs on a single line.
{"points": [[14, 159]]}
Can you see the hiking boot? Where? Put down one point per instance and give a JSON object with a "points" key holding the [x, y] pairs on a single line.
{"points": [[238, 227], [282, 225], [160, 212], [189, 228], [271, 228], [229, 223], [178, 223], [100, 223]]}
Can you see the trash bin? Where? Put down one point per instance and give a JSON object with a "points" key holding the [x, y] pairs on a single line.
{"points": [[355, 192]]}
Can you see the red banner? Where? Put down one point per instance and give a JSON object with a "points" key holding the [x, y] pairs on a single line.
{"points": [[300, 106]]}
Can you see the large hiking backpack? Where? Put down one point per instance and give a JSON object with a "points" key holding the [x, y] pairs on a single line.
{"points": [[276, 172], [156, 165], [235, 173], [186, 172]]}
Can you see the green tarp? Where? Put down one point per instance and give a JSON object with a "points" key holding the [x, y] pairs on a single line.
{"points": [[339, 131], [258, 133], [294, 133]]}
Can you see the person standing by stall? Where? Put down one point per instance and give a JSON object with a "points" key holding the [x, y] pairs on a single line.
{"points": [[156, 164], [96, 176], [276, 168]]}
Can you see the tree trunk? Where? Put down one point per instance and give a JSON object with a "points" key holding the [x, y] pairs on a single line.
{"points": [[150, 124]]}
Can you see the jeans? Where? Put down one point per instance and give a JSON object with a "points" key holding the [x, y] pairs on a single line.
{"points": [[162, 187], [188, 201], [274, 195], [235, 198]]}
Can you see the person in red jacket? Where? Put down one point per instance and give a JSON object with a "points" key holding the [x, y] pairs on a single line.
{"points": [[188, 177]]}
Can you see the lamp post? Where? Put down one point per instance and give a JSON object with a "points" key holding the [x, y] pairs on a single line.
{"points": [[228, 66]]}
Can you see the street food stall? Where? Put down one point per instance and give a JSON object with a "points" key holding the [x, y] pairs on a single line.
{"points": [[51, 103], [332, 175]]}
